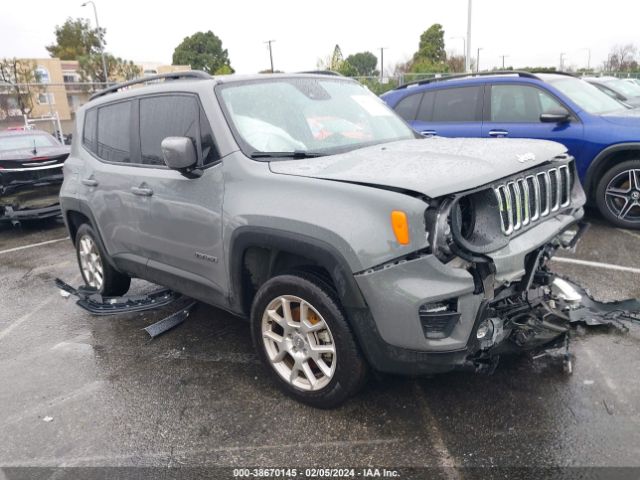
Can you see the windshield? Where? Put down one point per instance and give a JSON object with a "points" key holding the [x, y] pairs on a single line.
{"points": [[625, 88], [308, 115], [586, 96], [20, 142]]}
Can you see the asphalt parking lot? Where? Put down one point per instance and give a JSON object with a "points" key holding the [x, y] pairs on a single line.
{"points": [[79, 390]]}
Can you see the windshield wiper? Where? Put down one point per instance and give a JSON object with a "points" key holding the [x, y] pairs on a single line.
{"points": [[294, 154]]}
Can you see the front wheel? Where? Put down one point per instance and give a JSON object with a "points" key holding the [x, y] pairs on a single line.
{"points": [[301, 334], [618, 194]]}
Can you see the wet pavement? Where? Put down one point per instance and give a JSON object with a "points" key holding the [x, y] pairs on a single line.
{"points": [[78, 390]]}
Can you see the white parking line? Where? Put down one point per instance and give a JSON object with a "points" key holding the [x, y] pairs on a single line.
{"points": [[23, 247], [588, 263]]}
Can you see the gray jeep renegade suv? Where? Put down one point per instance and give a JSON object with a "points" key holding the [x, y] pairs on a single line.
{"points": [[303, 203]]}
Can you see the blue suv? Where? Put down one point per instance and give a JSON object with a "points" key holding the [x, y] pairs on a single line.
{"points": [[601, 133]]}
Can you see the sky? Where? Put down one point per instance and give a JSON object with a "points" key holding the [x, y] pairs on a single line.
{"points": [[529, 32]]}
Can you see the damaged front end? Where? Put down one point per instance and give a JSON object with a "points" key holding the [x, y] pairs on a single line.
{"points": [[530, 309]]}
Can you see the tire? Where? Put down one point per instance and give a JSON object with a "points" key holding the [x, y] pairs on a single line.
{"points": [[618, 194], [330, 377], [96, 270]]}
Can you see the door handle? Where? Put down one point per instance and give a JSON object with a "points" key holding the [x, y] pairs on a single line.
{"points": [[428, 133], [90, 182], [498, 133], [142, 191]]}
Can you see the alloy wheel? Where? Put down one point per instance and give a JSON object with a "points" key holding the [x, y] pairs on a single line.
{"points": [[299, 343], [622, 196], [90, 262]]}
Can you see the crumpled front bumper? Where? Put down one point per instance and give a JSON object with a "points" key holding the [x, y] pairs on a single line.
{"points": [[395, 292]]}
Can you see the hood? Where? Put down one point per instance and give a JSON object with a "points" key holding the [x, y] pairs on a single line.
{"points": [[27, 153], [626, 118], [432, 166]]}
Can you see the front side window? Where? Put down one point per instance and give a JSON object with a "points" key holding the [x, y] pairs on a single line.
{"points": [[166, 116], [456, 105], [323, 116], [520, 104], [114, 132]]}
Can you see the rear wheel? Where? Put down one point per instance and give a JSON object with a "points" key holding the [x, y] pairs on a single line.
{"points": [[300, 333], [618, 194], [94, 267]]}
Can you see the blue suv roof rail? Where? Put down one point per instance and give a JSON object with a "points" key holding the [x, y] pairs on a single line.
{"points": [[520, 73], [190, 75]]}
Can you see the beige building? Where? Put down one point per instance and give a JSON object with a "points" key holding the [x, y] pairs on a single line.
{"points": [[61, 91]]}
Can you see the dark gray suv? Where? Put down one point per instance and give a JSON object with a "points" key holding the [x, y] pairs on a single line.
{"points": [[303, 203]]}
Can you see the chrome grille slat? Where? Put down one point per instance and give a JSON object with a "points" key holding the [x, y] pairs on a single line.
{"points": [[525, 200]]}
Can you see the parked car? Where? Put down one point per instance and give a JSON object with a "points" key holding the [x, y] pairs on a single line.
{"points": [[30, 174], [617, 88], [601, 133], [633, 81], [303, 203]]}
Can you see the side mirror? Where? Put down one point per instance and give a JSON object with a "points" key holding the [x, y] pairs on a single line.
{"points": [[558, 115], [179, 153]]}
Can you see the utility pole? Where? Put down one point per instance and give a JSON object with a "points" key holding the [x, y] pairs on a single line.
{"points": [[503, 57], [269, 42], [104, 62], [478, 60], [382, 49], [562, 54], [467, 59]]}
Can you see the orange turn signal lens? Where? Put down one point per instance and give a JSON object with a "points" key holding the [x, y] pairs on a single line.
{"points": [[400, 226]]}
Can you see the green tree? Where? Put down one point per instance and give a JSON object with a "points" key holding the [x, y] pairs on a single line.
{"points": [[74, 39], [203, 51], [363, 63], [118, 69], [16, 77], [431, 55]]}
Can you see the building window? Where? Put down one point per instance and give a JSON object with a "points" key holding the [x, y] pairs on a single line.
{"points": [[69, 78], [46, 99], [42, 75]]}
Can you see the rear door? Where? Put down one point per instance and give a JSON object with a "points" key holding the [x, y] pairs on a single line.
{"points": [[182, 228], [450, 112], [513, 110], [106, 178]]}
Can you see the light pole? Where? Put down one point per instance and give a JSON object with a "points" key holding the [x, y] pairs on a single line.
{"points": [[269, 42], [588, 57], [464, 49], [562, 54], [104, 61], [382, 49], [478, 60], [468, 54], [503, 57]]}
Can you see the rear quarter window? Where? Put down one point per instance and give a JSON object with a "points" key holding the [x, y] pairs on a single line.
{"points": [[89, 139], [407, 108]]}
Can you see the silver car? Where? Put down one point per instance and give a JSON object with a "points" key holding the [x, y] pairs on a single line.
{"points": [[304, 204]]}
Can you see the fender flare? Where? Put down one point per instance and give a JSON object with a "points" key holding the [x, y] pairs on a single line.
{"points": [[596, 164], [323, 253]]}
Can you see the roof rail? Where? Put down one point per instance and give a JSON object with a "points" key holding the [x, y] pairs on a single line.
{"points": [[190, 74], [520, 73], [558, 72], [323, 72]]}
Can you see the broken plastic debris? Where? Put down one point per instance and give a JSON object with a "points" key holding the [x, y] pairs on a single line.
{"points": [[48, 419], [588, 382], [64, 294]]}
